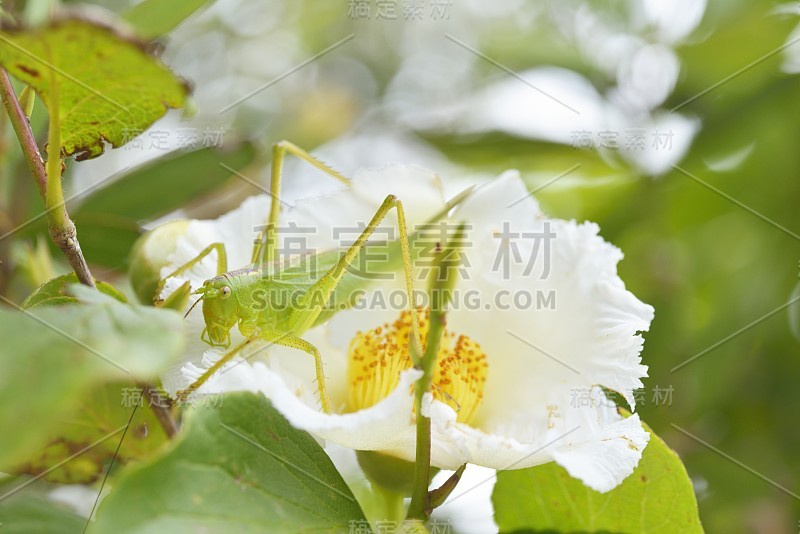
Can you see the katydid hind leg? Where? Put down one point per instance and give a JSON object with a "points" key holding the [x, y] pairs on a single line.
{"points": [[295, 342], [318, 296], [266, 242]]}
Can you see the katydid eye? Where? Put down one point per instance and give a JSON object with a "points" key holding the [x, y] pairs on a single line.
{"points": [[224, 292]]}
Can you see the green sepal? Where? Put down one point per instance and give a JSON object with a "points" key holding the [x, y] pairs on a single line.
{"points": [[178, 299]]}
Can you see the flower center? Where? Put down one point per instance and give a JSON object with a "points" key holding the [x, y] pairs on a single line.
{"points": [[376, 358]]}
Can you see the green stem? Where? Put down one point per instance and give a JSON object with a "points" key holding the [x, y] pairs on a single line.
{"points": [[54, 193], [420, 503], [422, 465], [62, 229]]}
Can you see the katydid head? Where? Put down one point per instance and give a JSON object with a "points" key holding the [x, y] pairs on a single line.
{"points": [[220, 311]]}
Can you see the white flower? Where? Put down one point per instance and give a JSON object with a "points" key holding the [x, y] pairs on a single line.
{"points": [[528, 390]]}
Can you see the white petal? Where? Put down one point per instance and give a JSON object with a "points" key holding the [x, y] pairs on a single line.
{"points": [[588, 338], [594, 443], [236, 375], [606, 459], [387, 426], [505, 194]]}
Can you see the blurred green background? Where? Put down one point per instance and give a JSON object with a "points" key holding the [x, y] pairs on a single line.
{"points": [[476, 88]]}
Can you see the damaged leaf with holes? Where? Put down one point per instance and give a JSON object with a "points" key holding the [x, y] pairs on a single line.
{"points": [[109, 87]]}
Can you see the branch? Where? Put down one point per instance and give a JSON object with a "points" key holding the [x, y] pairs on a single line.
{"points": [[161, 412], [24, 133], [62, 229]]}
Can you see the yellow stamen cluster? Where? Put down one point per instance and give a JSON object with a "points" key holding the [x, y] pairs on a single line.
{"points": [[377, 357]]}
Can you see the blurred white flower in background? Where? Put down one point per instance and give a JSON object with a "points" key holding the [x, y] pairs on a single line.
{"points": [[248, 65], [560, 105], [791, 63]]}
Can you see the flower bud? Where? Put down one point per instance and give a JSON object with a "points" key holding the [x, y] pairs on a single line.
{"points": [[389, 472], [150, 254]]}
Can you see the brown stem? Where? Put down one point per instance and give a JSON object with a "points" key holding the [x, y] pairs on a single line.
{"points": [[65, 237], [24, 133], [161, 412], [67, 240]]}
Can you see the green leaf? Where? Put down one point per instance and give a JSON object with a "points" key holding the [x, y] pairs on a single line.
{"points": [[657, 497], [24, 514], [237, 467], [54, 292], [109, 87], [52, 357], [103, 412], [154, 18]]}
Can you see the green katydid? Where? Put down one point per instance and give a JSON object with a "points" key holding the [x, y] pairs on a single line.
{"points": [[238, 297]]}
